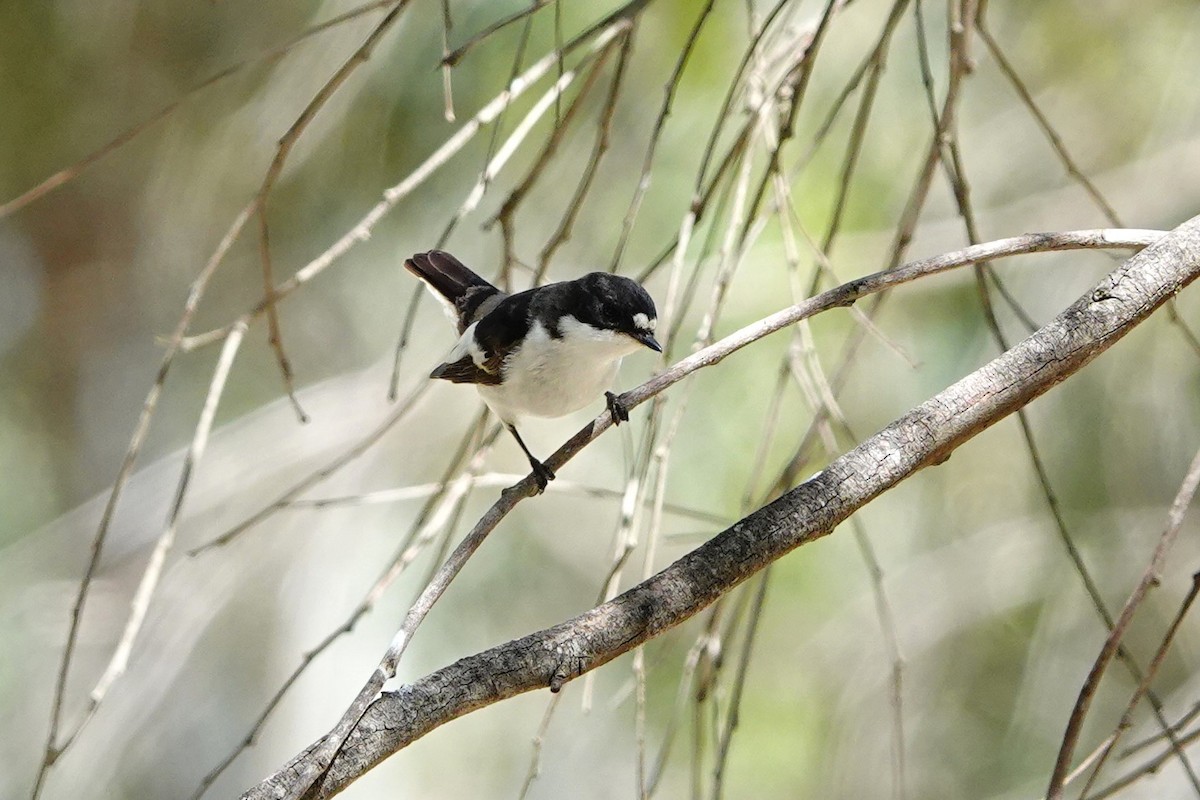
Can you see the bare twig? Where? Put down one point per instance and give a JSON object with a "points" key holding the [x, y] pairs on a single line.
{"points": [[443, 503], [1183, 499], [69, 173], [656, 134], [599, 148], [154, 567], [319, 475], [539, 739], [447, 71], [283, 149], [452, 58], [1151, 767], [54, 748], [1159, 656]]}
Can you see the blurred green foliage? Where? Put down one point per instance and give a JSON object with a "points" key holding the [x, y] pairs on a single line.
{"points": [[991, 619]]}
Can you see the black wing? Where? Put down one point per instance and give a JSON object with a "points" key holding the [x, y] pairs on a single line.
{"points": [[498, 334], [465, 294], [465, 370]]}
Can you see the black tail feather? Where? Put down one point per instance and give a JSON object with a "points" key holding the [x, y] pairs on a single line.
{"points": [[460, 289], [448, 276]]}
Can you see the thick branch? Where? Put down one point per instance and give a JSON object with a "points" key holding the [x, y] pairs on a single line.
{"points": [[925, 436]]}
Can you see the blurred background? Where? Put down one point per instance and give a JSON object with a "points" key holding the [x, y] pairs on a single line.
{"points": [[979, 604]]}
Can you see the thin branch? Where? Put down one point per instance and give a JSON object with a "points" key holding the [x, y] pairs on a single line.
{"points": [[1064, 156], [1043, 122], [140, 604], [493, 480], [447, 71], [283, 149], [452, 58], [71, 172], [158, 557], [320, 474], [1151, 767], [1155, 663], [599, 148], [53, 748], [656, 134], [725, 739], [1150, 577], [440, 513], [1176, 727], [508, 209], [539, 739]]}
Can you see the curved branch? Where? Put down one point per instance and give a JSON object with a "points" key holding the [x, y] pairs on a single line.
{"points": [[925, 436]]}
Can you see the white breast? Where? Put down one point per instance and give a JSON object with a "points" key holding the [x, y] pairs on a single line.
{"points": [[550, 377]]}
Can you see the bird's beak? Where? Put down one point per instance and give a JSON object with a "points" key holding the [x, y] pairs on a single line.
{"points": [[647, 338]]}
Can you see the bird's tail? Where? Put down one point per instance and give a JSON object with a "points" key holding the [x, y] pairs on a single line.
{"points": [[452, 282]]}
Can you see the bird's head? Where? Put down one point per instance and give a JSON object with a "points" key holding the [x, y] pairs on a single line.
{"points": [[621, 305]]}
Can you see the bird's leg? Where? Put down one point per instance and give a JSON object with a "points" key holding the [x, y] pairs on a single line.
{"points": [[541, 473], [616, 408]]}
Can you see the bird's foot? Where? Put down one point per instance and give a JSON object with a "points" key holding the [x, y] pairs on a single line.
{"points": [[616, 408], [542, 474]]}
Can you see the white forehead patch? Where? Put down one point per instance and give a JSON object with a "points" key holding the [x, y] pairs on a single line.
{"points": [[642, 322]]}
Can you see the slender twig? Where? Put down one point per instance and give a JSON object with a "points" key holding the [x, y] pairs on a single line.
{"points": [[406, 330], [274, 336], [282, 150], [491, 480], [140, 604], [71, 172], [1043, 122], [1064, 156], [599, 148], [505, 151], [54, 748], [723, 114], [508, 209], [962, 23], [436, 516], [1150, 577], [874, 66], [1176, 727], [447, 70], [725, 738], [320, 474], [1151, 767], [539, 739], [452, 58], [158, 557], [669, 89], [1155, 663]]}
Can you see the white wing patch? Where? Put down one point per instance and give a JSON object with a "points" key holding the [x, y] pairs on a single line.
{"points": [[465, 345]]}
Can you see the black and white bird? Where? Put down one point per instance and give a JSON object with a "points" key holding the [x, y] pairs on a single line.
{"points": [[544, 352]]}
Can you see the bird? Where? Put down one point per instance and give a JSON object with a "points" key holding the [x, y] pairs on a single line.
{"points": [[543, 352]]}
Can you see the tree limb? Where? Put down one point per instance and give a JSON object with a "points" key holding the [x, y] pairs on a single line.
{"points": [[925, 436]]}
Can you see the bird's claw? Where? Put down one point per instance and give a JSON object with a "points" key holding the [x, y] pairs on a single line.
{"points": [[542, 474], [616, 408]]}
